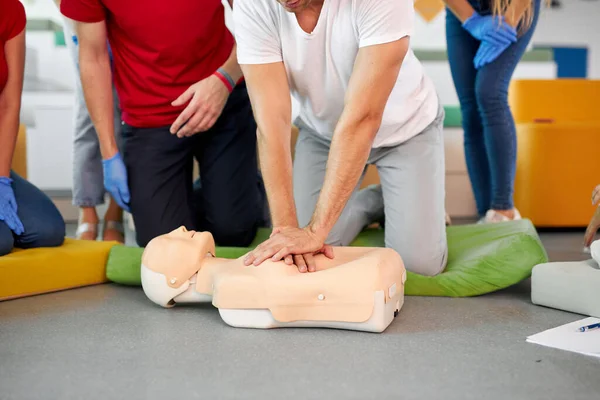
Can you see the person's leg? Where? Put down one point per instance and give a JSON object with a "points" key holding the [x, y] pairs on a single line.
{"points": [[231, 203], [462, 48], [7, 240], [499, 128], [159, 170], [113, 218], [88, 188], [44, 226], [310, 163], [413, 179]]}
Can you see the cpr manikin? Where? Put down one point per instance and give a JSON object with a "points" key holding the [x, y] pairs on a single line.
{"points": [[360, 289]]}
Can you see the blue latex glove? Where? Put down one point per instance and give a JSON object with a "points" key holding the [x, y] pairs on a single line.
{"points": [[494, 29], [8, 207], [115, 180], [487, 53]]}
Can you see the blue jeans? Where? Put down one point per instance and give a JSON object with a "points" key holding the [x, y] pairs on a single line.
{"points": [[490, 135], [44, 226]]}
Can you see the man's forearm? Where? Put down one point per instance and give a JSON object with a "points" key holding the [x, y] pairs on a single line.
{"points": [[348, 156], [461, 8], [232, 67], [276, 167], [9, 128], [96, 80]]}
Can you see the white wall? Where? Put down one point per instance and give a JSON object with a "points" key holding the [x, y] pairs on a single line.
{"points": [[575, 24]]}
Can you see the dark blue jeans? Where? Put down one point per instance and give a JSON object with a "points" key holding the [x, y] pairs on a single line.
{"points": [[490, 135], [228, 201], [44, 226]]}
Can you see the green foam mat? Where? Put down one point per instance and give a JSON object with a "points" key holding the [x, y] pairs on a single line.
{"points": [[481, 259]]}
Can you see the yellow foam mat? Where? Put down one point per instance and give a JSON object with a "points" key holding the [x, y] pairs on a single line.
{"points": [[74, 264]]}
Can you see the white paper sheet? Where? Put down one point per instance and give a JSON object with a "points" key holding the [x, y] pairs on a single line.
{"points": [[567, 337]]}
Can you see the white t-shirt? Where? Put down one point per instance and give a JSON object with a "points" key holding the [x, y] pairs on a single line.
{"points": [[319, 64]]}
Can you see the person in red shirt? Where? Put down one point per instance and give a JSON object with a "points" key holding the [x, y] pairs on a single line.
{"points": [[182, 98], [28, 218]]}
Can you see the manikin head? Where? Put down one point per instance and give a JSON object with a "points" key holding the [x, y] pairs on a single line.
{"points": [[181, 249], [171, 260]]}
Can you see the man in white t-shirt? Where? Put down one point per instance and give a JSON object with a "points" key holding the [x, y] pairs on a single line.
{"points": [[364, 100]]}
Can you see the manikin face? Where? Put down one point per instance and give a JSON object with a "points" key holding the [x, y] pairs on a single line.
{"points": [[295, 5], [181, 248]]}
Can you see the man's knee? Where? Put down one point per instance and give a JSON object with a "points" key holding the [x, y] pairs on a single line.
{"points": [[6, 239], [428, 262], [234, 232], [422, 256], [144, 233]]}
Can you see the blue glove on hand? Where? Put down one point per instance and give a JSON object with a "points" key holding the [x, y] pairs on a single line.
{"points": [[115, 180], [8, 207], [491, 28], [487, 53]]}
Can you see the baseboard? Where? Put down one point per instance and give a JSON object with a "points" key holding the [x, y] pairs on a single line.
{"points": [[63, 200]]}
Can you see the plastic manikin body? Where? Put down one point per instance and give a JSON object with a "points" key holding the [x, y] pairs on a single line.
{"points": [[360, 289]]}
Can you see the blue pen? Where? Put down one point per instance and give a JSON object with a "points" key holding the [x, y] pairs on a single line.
{"points": [[589, 327]]}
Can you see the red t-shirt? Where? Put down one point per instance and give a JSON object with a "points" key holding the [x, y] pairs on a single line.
{"points": [[160, 48], [12, 22]]}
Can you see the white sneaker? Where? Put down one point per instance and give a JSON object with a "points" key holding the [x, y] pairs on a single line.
{"points": [[492, 217]]}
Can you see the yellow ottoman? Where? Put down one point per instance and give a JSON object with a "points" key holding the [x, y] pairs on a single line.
{"points": [[74, 264], [557, 169], [19, 161], [558, 134]]}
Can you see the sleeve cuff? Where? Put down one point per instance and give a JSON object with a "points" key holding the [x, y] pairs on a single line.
{"points": [[80, 17], [259, 60], [372, 41]]}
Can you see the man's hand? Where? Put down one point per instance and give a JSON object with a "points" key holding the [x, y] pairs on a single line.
{"points": [[115, 180], [301, 244], [208, 97], [594, 224], [304, 262]]}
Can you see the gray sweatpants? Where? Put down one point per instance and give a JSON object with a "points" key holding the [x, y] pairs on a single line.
{"points": [[88, 178], [411, 195]]}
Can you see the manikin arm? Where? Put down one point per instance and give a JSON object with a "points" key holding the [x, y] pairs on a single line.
{"points": [[375, 73], [269, 93], [96, 78]]}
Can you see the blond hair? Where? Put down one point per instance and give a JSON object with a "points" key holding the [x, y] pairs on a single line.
{"points": [[499, 7]]}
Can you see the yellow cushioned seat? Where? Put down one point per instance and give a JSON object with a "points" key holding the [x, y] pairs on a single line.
{"points": [[34, 271], [558, 134], [19, 161]]}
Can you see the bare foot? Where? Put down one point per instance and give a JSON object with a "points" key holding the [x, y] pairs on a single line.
{"points": [[113, 232], [113, 223], [88, 224]]}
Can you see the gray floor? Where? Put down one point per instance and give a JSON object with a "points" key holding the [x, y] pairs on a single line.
{"points": [[109, 342]]}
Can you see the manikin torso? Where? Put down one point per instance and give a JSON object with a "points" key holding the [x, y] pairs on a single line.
{"points": [[181, 267]]}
